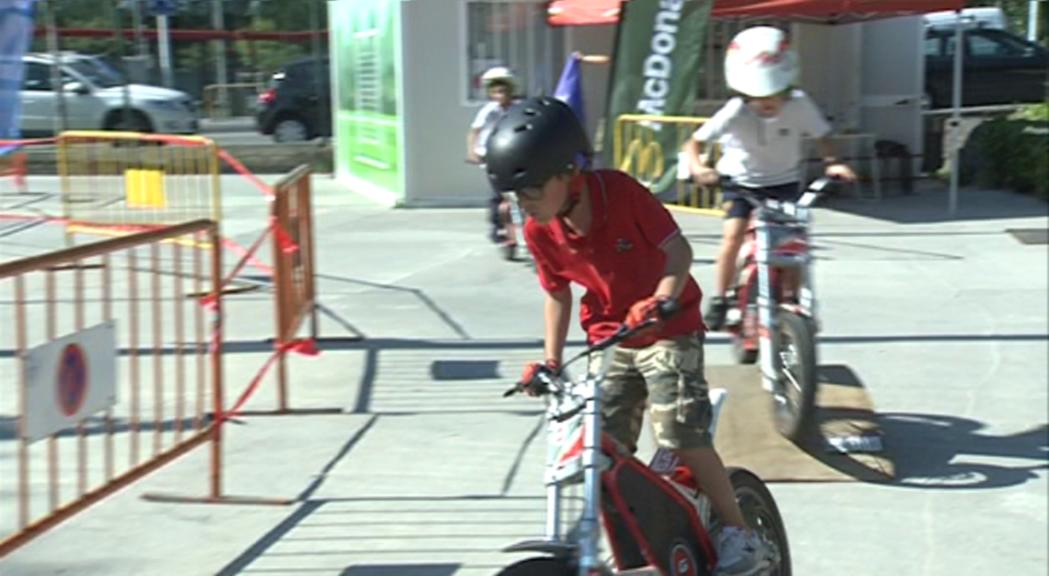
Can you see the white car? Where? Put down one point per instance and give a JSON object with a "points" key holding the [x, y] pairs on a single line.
{"points": [[94, 96]]}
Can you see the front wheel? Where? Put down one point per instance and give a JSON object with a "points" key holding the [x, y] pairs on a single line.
{"points": [[794, 397], [762, 515], [544, 566]]}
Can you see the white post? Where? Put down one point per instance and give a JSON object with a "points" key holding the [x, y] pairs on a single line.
{"points": [[1032, 20], [164, 50]]}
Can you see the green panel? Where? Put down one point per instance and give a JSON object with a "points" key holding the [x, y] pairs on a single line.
{"points": [[659, 44], [367, 126]]}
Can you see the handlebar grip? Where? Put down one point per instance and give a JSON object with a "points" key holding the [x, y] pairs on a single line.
{"points": [[668, 308]]}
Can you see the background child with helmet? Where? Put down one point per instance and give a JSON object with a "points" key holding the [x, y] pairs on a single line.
{"points": [[603, 230], [500, 85], [760, 132]]}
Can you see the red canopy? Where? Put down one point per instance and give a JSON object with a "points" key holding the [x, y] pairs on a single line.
{"points": [[584, 12]]}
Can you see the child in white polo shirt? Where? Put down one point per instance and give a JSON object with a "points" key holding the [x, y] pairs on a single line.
{"points": [[500, 84], [760, 132]]}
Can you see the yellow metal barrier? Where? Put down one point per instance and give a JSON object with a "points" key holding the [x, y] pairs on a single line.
{"points": [[638, 152], [123, 181]]}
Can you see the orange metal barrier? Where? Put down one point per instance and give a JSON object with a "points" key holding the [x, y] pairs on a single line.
{"points": [[14, 164], [293, 270], [139, 292]]}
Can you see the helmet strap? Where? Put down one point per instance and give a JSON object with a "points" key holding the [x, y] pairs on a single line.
{"points": [[575, 190]]}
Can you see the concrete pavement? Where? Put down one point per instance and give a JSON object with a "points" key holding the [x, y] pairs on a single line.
{"points": [[426, 471]]}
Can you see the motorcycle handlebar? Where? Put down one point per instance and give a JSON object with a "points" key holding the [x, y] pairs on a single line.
{"points": [[815, 187], [666, 309]]}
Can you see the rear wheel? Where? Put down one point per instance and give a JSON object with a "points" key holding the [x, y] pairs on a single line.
{"points": [[794, 397], [743, 354], [129, 121], [291, 129], [545, 566], [762, 515]]}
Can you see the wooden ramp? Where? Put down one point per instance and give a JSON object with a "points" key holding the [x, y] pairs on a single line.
{"points": [[747, 437]]}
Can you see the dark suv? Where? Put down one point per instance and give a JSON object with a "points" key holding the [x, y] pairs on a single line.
{"points": [[297, 105], [999, 68]]}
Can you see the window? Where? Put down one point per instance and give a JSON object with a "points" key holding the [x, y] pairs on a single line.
{"points": [[990, 47], [948, 46], [933, 46], [96, 72], [512, 34], [37, 77]]}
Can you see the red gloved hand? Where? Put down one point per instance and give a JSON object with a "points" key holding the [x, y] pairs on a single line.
{"points": [[530, 382], [645, 310], [642, 311]]}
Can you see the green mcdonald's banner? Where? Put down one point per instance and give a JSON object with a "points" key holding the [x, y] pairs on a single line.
{"points": [[658, 48]]}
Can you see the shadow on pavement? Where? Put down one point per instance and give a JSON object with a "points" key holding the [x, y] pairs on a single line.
{"points": [[929, 205], [939, 451]]}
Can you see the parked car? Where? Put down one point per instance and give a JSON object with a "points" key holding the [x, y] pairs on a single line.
{"points": [[998, 68], [94, 96], [297, 105]]}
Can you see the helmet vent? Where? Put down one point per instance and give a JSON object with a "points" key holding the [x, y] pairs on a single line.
{"points": [[530, 112], [522, 127]]}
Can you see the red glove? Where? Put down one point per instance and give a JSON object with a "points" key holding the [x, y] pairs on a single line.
{"points": [[642, 311], [645, 310], [530, 382]]}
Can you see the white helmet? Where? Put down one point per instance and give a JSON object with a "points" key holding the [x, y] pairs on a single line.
{"points": [[760, 63], [497, 74]]}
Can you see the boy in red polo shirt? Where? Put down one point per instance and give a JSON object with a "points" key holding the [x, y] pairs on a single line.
{"points": [[606, 232]]}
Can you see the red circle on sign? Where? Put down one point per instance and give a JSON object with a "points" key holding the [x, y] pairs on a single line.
{"points": [[72, 379]]}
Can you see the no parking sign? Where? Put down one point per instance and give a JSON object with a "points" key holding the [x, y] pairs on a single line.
{"points": [[69, 379]]}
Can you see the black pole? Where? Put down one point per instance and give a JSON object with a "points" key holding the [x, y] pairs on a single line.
{"points": [[61, 118], [323, 102], [118, 38]]}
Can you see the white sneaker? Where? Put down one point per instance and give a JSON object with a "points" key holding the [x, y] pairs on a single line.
{"points": [[740, 552]]}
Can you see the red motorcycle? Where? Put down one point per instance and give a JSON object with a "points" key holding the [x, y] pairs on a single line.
{"points": [[772, 308], [510, 223], [654, 518]]}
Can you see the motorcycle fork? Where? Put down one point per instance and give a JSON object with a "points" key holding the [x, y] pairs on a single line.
{"points": [[768, 345], [589, 524], [587, 534]]}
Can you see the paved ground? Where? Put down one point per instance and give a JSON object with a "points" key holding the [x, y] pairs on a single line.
{"points": [[425, 471]]}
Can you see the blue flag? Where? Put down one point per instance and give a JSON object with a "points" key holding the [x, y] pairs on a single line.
{"points": [[16, 31], [570, 87]]}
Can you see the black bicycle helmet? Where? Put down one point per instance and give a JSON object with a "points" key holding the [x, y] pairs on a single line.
{"points": [[535, 140]]}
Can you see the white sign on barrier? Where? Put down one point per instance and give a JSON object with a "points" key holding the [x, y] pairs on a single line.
{"points": [[69, 379]]}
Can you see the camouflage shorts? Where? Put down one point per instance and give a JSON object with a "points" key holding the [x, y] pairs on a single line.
{"points": [[669, 375]]}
